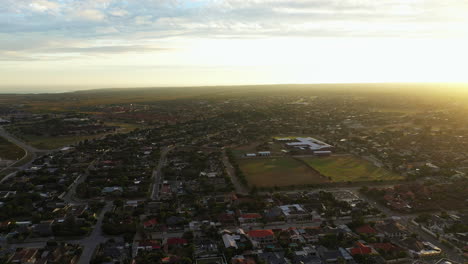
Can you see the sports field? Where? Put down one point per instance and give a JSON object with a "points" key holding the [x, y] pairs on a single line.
{"points": [[350, 168], [284, 171]]}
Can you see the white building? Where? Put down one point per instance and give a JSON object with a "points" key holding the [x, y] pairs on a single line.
{"points": [[310, 143]]}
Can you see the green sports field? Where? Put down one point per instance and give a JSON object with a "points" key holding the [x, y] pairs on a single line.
{"points": [[349, 168], [284, 171]]}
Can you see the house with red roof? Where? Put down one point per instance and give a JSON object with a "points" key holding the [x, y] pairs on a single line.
{"points": [[366, 229], [227, 219], [171, 259], [177, 241], [242, 260], [149, 245], [360, 249], [150, 224], [261, 238], [249, 218], [386, 247]]}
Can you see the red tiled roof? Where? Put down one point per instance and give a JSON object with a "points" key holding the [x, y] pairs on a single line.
{"points": [[226, 217], [150, 222], [176, 241], [361, 249], [170, 259], [242, 261], [366, 229], [150, 243], [251, 216], [261, 233], [384, 246]]}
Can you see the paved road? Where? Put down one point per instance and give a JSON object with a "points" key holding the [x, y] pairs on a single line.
{"points": [[157, 175], [95, 238], [18, 142], [451, 253], [70, 197], [240, 188], [89, 243], [30, 153]]}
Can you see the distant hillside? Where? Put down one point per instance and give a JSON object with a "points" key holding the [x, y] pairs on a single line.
{"points": [[73, 100]]}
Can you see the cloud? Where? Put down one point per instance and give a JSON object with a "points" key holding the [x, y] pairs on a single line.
{"points": [[105, 49], [90, 14], [69, 50], [44, 6], [133, 22], [118, 12]]}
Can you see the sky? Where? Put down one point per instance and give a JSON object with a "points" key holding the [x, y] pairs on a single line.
{"points": [[73, 44]]}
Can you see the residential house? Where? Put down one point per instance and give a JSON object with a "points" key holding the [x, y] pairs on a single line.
{"points": [[150, 224], [261, 238], [392, 229], [113, 191], [250, 218], [273, 258]]}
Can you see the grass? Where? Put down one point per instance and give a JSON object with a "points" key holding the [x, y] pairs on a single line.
{"points": [[284, 171], [48, 142], [124, 127], [10, 151], [350, 168]]}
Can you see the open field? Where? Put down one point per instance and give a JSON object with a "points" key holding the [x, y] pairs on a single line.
{"points": [[50, 142], [287, 171], [284, 171], [46, 142], [9, 150], [124, 127], [349, 168]]}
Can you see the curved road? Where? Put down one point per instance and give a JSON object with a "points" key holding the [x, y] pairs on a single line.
{"points": [[18, 142], [30, 153]]}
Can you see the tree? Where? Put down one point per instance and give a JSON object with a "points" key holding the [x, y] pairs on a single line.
{"points": [[118, 203]]}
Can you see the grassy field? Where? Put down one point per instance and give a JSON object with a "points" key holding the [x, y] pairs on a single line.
{"points": [[46, 142], [9, 150], [285, 171], [350, 168]]}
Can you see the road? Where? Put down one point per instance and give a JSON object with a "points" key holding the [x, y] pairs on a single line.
{"points": [[70, 197], [89, 243], [18, 142], [30, 153], [157, 175], [451, 253], [95, 238], [405, 219], [238, 186]]}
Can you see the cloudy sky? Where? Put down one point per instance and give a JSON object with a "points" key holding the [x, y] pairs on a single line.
{"points": [[121, 43]]}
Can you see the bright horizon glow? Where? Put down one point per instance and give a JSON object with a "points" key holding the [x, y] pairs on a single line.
{"points": [[108, 45]]}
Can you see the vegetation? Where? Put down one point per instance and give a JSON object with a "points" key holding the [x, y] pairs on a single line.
{"points": [[284, 171], [346, 168], [10, 151]]}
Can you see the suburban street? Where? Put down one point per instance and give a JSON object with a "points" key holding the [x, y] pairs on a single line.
{"points": [[89, 243], [240, 188], [157, 175], [95, 238]]}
